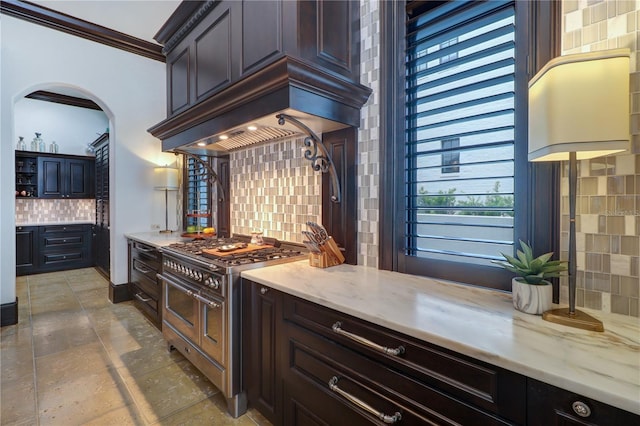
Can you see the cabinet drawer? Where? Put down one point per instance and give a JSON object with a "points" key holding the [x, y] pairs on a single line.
{"points": [[147, 303], [60, 258], [145, 268], [145, 251], [49, 229], [549, 405], [478, 383], [63, 241], [315, 362], [149, 286]]}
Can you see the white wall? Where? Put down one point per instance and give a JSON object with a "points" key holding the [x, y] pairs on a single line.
{"points": [[132, 92], [72, 128]]}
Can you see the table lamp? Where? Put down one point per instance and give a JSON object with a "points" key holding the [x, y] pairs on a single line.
{"points": [[166, 179], [579, 109]]}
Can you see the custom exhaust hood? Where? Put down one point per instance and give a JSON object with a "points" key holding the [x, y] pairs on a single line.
{"points": [[247, 112]]}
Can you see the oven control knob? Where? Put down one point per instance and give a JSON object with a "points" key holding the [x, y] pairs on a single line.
{"points": [[212, 282]]}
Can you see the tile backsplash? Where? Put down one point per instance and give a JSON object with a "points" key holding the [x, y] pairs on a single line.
{"points": [[274, 188], [608, 197], [31, 211]]}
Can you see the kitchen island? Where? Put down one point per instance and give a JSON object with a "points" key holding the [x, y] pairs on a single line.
{"points": [[478, 323]]}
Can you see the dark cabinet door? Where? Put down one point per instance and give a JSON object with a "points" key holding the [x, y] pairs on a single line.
{"points": [[26, 240], [261, 352], [261, 33], [51, 177], [80, 178], [65, 177], [101, 178], [102, 249]]}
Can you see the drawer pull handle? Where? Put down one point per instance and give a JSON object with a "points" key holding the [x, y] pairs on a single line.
{"points": [[141, 269], [333, 385], [264, 290], [337, 328], [144, 250], [142, 299], [581, 409]]}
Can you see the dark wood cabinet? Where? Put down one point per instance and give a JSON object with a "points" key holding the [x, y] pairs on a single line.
{"points": [[305, 364], [549, 405], [227, 40], [64, 176], [144, 286], [299, 370], [261, 361], [53, 248], [63, 247], [26, 243], [102, 229]]}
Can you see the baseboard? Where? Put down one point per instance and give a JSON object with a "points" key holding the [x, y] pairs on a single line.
{"points": [[9, 313], [119, 293]]}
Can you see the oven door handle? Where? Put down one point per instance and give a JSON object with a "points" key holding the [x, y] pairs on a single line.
{"points": [[175, 284], [211, 303]]}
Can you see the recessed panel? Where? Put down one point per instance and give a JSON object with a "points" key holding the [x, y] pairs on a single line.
{"points": [[334, 32], [213, 56], [261, 32], [179, 75]]}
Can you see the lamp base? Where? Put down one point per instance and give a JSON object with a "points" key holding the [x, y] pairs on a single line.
{"points": [[577, 320], [166, 231]]}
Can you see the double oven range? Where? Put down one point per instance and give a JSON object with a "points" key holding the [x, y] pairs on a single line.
{"points": [[201, 304]]}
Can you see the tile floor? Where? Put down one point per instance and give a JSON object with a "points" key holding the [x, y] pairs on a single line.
{"points": [[74, 358]]}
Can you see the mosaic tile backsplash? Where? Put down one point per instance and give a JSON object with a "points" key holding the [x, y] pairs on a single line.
{"points": [[368, 162], [29, 211], [274, 188], [608, 198]]}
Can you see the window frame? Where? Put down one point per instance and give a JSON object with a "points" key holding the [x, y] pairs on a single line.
{"points": [[537, 40]]}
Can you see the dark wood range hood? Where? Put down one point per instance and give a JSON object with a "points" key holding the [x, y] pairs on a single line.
{"points": [[231, 65]]}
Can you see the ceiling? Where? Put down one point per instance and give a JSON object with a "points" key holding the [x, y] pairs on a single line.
{"points": [[140, 18]]}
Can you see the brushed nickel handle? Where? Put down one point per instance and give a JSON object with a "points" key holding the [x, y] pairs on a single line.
{"points": [[264, 290], [208, 302], [337, 328], [142, 249], [396, 417], [581, 409], [142, 299]]}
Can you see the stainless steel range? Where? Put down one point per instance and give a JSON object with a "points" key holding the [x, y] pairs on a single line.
{"points": [[201, 307]]}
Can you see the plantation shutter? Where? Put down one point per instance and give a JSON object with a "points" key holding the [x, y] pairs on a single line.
{"points": [[197, 196], [459, 146]]}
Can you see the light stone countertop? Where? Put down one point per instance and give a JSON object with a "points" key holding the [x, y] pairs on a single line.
{"points": [[479, 323], [156, 239]]}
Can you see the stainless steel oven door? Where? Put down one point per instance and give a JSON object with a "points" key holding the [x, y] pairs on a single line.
{"points": [[213, 339], [181, 309]]}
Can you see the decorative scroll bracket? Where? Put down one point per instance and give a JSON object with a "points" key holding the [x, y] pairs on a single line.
{"points": [[205, 171], [320, 161]]}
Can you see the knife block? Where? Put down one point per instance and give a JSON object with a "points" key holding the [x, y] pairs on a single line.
{"points": [[330, 255]]}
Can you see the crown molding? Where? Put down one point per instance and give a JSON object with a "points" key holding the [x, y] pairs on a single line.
{"points": [[62, 22], [57, 98]]}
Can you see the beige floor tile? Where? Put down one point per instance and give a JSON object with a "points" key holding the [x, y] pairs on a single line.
{"points": [[71, 363], [79, 399], [93, 298], [16, 356], [211, 411], [57, 335], [123, 416], [168, 390], [88, 282], [18, 402]]}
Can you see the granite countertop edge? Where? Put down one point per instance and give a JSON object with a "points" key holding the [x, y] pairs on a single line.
{"points": [[477, 322]]}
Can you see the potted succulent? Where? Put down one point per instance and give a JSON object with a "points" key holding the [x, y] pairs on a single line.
{"points": [[531, 291]]}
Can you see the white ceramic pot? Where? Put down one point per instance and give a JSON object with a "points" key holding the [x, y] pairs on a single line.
{"points": [[531, 299]]}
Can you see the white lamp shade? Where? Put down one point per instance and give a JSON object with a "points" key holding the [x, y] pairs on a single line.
{"points": [[166, 178], [580, 103]]}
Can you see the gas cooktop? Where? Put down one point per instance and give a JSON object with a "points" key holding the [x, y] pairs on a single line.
{"points": [[236, 251]]}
